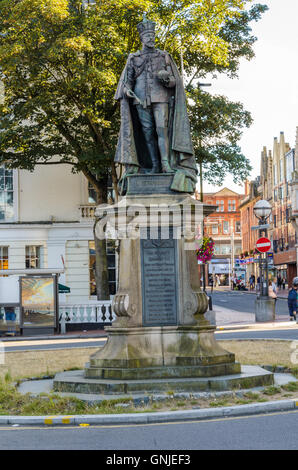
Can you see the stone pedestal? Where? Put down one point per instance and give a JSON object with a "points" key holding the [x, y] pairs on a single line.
{"points": [[265, 309], [160, 330], [160, 335]]}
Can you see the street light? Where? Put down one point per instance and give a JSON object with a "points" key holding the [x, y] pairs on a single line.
{"points": [[264, 305], [262, 210]]}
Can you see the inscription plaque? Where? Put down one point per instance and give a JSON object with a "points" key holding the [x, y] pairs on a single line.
{"points": [[159, 281], [149, 184]]}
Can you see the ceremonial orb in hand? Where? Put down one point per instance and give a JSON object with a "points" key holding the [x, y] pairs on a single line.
{"points": [[163, 75]]}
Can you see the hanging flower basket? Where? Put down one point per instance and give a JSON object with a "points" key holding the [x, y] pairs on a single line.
{"points": [[206, 250]]}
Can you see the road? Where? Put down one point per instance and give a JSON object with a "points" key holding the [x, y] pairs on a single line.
{"points": [[237, 301], [244, 302], [269, 432], [266, 432]]}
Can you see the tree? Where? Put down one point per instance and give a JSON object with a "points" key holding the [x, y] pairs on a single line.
{"points": [[60, 61], [217, 125]]}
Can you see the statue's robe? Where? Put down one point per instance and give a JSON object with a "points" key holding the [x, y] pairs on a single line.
{"points": [[131, 149]]}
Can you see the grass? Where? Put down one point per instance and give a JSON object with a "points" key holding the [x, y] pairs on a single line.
{"points": [[37, 364], [272, 390], [12, 402]]}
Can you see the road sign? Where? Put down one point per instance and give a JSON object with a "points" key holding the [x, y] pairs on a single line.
{"points": [[260, 227], [263, 244]]}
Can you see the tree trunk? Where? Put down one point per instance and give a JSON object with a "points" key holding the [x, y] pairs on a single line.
{"points": [[101, 262]]}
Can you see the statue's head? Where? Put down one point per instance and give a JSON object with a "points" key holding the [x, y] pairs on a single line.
{"points": [[147, 32]]}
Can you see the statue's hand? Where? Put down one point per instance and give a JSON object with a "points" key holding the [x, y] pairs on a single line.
{"points": [[163, 76], [129, 93]]}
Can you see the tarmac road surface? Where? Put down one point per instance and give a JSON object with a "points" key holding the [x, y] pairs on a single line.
{"points": [[276, 431]]}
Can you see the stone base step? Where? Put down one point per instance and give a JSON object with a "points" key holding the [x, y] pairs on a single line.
{"points": [[171, 372], [76, 382]]}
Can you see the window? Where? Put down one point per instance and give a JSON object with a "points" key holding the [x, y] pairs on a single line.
{"points": [[225, 249], [111, 259], [3, 257], [222, 206], [237, 226], [91, 194], [281, 170], [226, 227], [33, 258], [214, 229], [275, 174], [6, 194], [218, 206], [231, 206], [290, 164]]}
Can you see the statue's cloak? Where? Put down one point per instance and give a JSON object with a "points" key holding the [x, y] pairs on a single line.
{"points": [[131, 149]]}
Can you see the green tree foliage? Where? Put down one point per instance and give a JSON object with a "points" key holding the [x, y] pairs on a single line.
{"points": [[60, 61], [217, 126]]}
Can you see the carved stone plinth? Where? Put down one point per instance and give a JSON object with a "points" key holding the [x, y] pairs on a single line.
{"points": [[160, 338], [160, 329]]}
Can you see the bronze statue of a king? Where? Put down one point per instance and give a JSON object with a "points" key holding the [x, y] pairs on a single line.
{"points": [[155, 132]]}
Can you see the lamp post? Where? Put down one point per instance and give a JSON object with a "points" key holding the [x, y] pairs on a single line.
{"points": [[265, 306]]}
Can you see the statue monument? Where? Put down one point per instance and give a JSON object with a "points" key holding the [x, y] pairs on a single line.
{"points": [[155, 133], [160, 339]]}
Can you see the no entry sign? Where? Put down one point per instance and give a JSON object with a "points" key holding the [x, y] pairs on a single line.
{"points": [[263, 244]]}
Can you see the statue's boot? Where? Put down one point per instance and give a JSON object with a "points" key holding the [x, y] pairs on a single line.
{"points": [[153, 152], [163, 144]]}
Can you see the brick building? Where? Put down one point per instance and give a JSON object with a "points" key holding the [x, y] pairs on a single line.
{"points": [[248, 220], [275, 184], [282, 231], [224, 226]]}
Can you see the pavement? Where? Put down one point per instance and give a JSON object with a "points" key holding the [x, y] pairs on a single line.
{"points": [[226, 319], [281, 293]]}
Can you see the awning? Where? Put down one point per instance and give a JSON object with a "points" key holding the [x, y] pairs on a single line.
{"points": [[63, 289]]}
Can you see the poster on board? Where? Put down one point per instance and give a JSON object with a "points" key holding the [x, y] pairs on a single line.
{"points": [[38, 301]]}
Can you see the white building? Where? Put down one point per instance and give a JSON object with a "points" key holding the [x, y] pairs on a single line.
{"points": [[46, 221]]}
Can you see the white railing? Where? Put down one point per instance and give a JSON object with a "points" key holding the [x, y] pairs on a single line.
{"points": [[94, 312], [87, 212]]}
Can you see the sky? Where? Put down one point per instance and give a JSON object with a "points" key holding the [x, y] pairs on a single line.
{"points": [[267, 85]]}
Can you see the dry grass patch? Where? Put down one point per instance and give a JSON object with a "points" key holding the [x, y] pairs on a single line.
{"points": [[269, 352], [36, 363]]}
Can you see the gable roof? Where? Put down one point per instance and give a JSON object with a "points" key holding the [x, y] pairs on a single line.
{"points": [[224, 192]]}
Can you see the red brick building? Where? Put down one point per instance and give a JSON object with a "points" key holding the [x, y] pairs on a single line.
{"points": [[224, 226], [248, 220]]}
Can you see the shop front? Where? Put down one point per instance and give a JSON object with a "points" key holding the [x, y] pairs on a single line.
{"points": [[285, 265]]}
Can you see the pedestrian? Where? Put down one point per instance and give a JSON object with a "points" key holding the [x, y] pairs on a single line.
{"points": [[251, 282], [272, 290], [283, 283], [292, 299], [274, 285], [279, 281]]}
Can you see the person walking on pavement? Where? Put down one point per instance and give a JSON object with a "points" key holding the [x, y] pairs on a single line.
{"points": [[292, 299], [272, 291], [283, 283], [279, 282]]}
